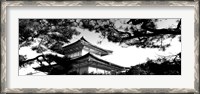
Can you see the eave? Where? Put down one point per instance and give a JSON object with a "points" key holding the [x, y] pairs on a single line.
{"points": [[91, 57], [82, 42]]}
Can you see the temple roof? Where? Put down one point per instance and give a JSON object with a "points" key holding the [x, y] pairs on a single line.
{"points": [[82, 42], [91, 57], [80, 60]]}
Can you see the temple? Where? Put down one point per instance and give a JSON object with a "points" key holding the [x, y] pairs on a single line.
{"points": [[85, 59]]}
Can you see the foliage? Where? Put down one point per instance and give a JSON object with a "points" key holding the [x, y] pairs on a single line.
{"points": [[142, 33], [21, 59], [137, 32], [63, 65], [49, 31], [53, 33], [161, 66]]}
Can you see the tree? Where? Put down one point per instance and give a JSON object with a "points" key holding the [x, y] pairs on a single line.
{"points": [[138, 32], [51, 34], [63, 65], [160, 66]]}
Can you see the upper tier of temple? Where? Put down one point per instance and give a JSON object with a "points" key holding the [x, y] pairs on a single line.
{"points": [[79, 47]]}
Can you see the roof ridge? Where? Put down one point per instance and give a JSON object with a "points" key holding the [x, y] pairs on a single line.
{"points": [[82, 38], [82, 41], [89, 54]]}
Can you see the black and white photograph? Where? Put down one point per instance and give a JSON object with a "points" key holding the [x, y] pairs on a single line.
{"points": [[113, 46]]}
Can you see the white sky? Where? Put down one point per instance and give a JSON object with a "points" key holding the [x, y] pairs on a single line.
{"points": [[126, 57]]}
